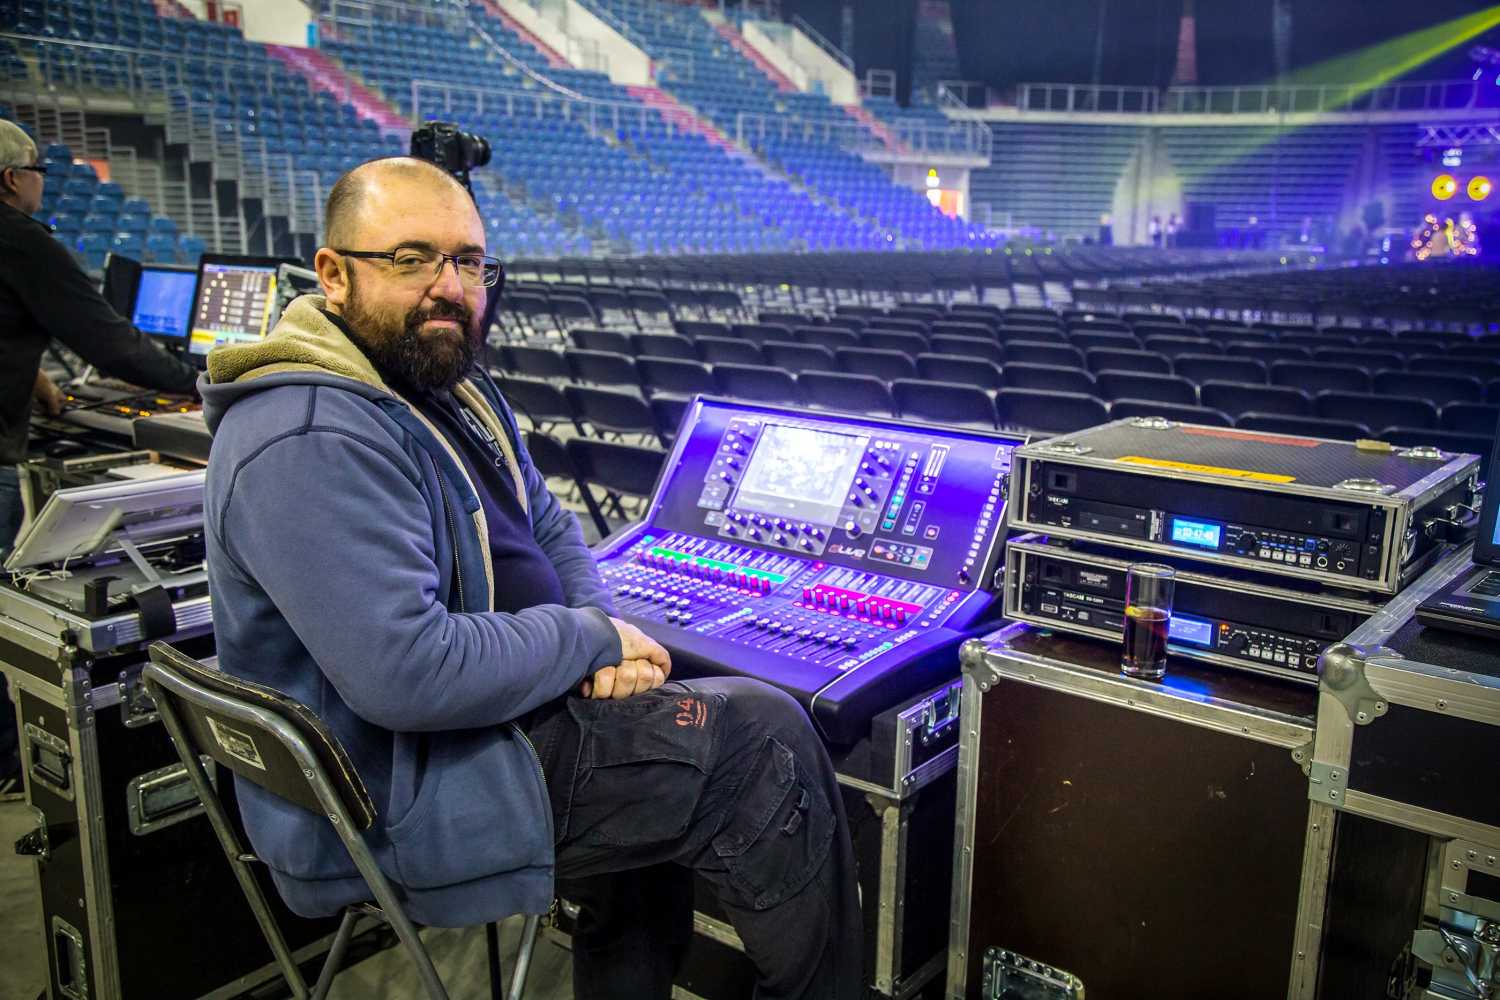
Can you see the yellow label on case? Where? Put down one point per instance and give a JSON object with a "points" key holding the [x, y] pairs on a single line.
{"points": [[1208, 470]]}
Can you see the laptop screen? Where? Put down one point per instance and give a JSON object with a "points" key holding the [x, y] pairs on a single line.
{"points": [[164, 302]]}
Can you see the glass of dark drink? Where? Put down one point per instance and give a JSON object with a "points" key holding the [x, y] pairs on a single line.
{"points": [[1148, 613]]}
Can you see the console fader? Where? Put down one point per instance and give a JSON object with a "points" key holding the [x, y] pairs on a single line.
{"points": [[841, 558]]}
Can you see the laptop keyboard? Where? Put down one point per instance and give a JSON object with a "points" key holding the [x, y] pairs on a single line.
{"points": [[1489, 586]]}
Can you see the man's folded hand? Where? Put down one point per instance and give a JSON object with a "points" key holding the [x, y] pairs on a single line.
{"points": [[629, 678]]}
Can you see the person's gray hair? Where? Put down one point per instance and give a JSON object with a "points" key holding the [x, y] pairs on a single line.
{"points": [[16, 147]]}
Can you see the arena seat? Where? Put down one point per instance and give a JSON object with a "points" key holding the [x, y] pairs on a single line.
{"points": [[944, 402], [1122, 408], [1373, 410]]}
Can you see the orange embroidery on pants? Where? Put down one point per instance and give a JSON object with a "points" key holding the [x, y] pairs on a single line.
{"points": [[691, 712]]}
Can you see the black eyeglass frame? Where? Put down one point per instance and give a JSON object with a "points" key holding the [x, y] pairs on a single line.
{"points": [[444, 258]]}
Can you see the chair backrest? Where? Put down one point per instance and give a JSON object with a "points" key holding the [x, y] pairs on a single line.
{"points": [[846, 392], [1438, 389], [264, 736], [1320, 378], [1370, 360], [620, 468], [662, 345], [537, 362], [968, 347], [1145, 385], [1270, 353], [760, 333], [1172, 347], [1471, 418], [1235, 398], [910, 344], [831, 337], [1048, 378], [1111, 359], [675, 375], [944, 402], [965, 371], [1049, 412], [551, 458], [587, 339], [962, 326], [1376, 411], [798, 358], [1217, 367], [603, 368], [611, 411], [881, 364], [693, 329], [1035, 352], [759, 383], [727, 350], [1089, 340], [537, 399]]}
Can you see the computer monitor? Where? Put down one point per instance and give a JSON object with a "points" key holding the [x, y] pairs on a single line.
{"points": [[236, 296], [121, 276], [164, 302]]}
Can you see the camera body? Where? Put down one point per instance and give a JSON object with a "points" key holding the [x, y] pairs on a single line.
{"points": [[450, 147]]}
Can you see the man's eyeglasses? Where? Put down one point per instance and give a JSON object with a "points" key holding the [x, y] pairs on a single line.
{"points": [[36, 169], [420, 264]]}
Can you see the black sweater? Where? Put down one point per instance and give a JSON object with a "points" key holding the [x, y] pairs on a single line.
{"points": [[45, 294]]}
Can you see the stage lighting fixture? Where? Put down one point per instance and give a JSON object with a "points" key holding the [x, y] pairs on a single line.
{"points": [[1444, 187], [1480, 188]]}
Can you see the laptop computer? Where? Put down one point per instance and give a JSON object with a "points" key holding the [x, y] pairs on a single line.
{"points": [[1471, 602]]}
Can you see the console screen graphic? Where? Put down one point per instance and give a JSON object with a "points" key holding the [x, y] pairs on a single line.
{"points": [[800, 472]]}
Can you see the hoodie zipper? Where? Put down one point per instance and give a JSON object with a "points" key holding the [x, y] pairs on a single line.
{"points": [[542, 775], [458, 576]]}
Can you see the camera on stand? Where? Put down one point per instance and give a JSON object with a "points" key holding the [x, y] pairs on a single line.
{"points": [[451, 148]]}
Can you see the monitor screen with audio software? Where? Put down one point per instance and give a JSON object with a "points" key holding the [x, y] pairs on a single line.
{"points": [[235, 300]]}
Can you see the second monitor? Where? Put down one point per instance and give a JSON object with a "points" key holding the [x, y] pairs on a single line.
{"points": [[234, 301]]}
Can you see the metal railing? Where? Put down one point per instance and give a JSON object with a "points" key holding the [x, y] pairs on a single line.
{"points": [[1085, 97], [355, 18], [433, 97], [1434, 95], [914, 138], [516, 63], [962, 95], [831, 50]]}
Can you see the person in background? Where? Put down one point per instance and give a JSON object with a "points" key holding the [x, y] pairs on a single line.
{"points": [[44, 294]]}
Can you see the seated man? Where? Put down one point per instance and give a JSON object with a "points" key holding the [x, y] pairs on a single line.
{"points": [[381, 548]]}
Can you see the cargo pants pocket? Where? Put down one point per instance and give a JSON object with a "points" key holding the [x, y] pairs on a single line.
{"points": [[644, 765], [778, 833]]}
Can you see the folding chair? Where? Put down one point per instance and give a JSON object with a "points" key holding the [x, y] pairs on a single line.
{"points": [[277, 743]]}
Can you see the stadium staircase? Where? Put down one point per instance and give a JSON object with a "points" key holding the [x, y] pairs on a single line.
{"points": [[683, 117], [551, 55], [879, 128], [734, 38], [324, 75]]}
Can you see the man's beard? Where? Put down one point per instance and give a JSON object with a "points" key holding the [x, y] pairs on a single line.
{"points": [[396, 346]]}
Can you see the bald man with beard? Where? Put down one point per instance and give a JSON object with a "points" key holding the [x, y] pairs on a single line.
{"points": [[381, 548]]}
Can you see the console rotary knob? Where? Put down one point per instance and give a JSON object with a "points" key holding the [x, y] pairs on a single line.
{"points": [[852, 529]]}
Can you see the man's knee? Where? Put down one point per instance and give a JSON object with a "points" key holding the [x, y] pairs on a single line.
{"points": [[755, 709]]}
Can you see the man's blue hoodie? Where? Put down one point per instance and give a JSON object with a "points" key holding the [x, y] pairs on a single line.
{"points": [[348, 562]]}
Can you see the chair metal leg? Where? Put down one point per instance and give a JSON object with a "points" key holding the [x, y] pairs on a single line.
{"points": [[492, 953], [523, 956], [235, 853], [400, 923], [335, 960]]}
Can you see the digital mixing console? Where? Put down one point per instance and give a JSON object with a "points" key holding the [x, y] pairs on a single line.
{"points": [[840, 558]]}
